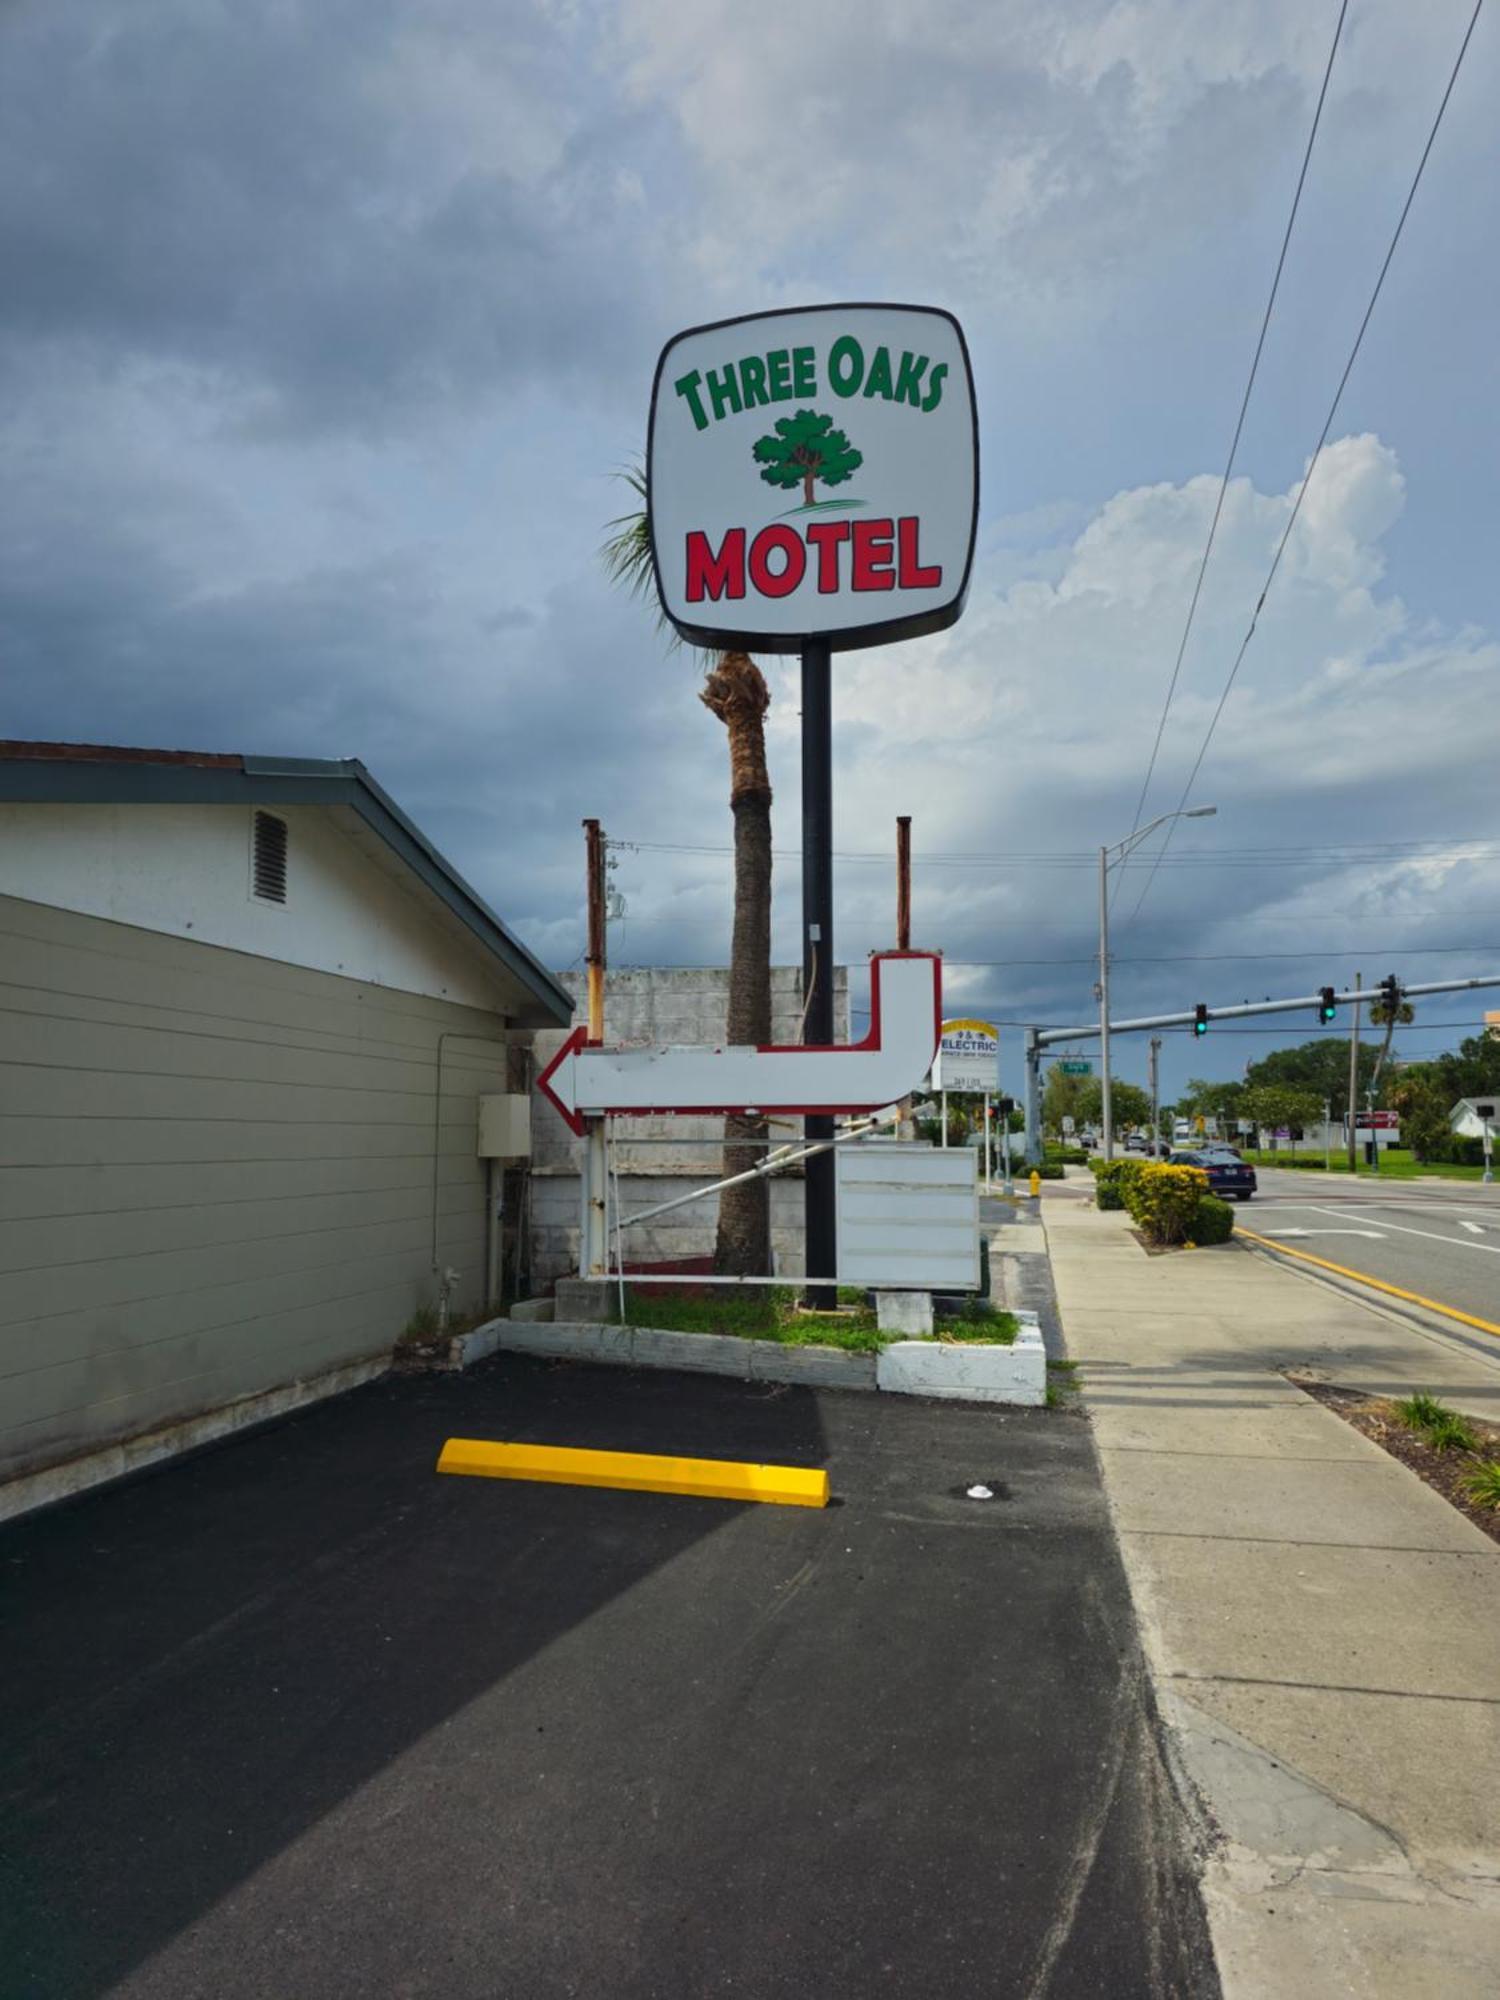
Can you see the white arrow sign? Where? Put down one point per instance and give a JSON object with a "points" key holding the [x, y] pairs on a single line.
{"points": [[587, 1080]]}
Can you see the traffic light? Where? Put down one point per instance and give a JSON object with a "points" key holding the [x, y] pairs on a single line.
{"points": [[1390, 994], [1006, 1106], [1200, 1019], [1326, 1007]]}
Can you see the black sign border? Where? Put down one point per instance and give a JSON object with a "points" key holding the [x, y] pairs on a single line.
{"points": [[845, 639]]}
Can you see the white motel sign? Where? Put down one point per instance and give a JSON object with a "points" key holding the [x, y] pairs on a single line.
{"points": [[814, 474]]}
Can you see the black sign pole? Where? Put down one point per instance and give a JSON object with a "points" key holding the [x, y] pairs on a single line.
{"points": [[817, 952]]}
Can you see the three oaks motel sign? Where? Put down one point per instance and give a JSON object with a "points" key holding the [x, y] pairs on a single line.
{"points": [[812, 487]]}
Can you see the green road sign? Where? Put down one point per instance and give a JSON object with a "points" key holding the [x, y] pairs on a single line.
{"points": [[1076, 1066]]}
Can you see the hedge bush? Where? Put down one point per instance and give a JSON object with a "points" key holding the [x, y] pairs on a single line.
{"points": [[1213, 1222], [1457, 1150], [1111, 1179], [1164, 1200]]}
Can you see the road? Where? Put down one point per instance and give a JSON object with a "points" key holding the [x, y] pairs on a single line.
{"points": [[298, 1717], [1441, 1240]]}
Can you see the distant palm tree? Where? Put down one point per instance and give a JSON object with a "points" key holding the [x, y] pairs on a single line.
{"points": [[735, 691], [1403, 1014]]}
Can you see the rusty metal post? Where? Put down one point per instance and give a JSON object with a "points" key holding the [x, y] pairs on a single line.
{"points": [[593, 1257], [594, 844], [905, 1129]]}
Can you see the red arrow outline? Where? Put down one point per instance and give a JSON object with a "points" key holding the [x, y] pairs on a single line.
{"points": [[579, 1039]]}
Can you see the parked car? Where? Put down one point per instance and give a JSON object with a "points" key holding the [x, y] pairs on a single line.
{"points": [[1227, 1174], [1135, 1144]]}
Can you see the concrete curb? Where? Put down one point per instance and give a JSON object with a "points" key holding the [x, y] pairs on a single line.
{"points": [[968, 1373], [50, 1483], [693, 1353]]}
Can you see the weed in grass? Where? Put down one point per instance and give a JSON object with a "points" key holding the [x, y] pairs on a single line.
{"points": [[993, 1329], [1451, 1433], [753, 1314], [1418, 1411], [1482, 1483], [856, 1335], [1068, 1368]]}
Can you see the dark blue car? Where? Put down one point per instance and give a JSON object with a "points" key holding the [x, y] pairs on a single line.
{"points": [[1227, 1176]]}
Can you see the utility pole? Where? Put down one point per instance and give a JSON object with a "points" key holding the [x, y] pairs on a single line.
{"points": [[1354, 1075], [819, 1188], [904, 1127], [593, 1258], [1107, 1109], [1031, 1096], [1155, 1114]]}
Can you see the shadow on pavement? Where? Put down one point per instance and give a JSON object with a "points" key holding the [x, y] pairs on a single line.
{"points": [[204, 1661]]}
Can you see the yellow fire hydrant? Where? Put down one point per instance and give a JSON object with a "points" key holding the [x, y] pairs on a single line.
{"points": [[1036, 1183]]}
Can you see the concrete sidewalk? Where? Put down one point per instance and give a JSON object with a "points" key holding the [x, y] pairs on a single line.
{"points": [[1320, 1626]]}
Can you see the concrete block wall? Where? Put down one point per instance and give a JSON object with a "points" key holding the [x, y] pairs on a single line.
{"points": [[662, 1006]]}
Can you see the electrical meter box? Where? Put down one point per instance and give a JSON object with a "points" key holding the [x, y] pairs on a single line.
{"points": [[504, 1126]]}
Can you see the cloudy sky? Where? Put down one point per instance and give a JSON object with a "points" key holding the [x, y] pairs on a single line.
{"points": [[324, 326]]}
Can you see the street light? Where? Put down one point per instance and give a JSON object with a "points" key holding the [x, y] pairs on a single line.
{"points": [[1118, 850]]}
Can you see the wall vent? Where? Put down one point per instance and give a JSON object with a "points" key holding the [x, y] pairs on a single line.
{"points": [[268, 865]]}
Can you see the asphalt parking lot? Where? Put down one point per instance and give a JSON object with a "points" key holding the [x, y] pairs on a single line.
{"points": [[297, 1717]]}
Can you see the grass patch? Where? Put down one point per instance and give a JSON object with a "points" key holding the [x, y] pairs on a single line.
{"points": [[1063, 1384], [1457, 1456], [1451, 1434], [992, 1329], [1418, 1411], [752, 1314], [1392, 1167], [772, 1312], [1440, 1427]]}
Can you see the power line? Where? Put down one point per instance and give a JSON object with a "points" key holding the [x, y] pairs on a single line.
{"points": [[1213, 526], [1223, 857], [1179, 958], [1318, 451]]}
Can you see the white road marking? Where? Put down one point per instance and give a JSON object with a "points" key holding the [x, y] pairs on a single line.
{"points": [[1435, 1236], [1474, 1228], [1374, 1235]]}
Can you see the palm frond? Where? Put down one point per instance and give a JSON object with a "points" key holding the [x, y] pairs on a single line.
{"points": [[626, 555]]}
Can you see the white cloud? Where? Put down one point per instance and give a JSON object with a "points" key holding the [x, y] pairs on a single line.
{"points": [[1027, 728]]}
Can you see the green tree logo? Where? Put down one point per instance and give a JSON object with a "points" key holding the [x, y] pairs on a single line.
{"points": [[803, 449]]}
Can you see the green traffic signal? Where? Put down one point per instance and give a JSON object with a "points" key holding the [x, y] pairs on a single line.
{"points": [[1327, 1009], [1200, 1020]]}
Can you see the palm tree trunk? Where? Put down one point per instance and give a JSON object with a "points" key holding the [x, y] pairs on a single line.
{"points": [[736, 691]]}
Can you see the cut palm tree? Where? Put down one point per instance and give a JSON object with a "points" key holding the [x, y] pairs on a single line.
{"points": [[1381, 1012], [736, 692]]}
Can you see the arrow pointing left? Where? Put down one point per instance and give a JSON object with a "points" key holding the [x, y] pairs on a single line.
{"points": [[586, 1080]]}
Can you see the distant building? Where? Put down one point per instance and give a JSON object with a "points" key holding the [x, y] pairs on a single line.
{"points": [[246, 1012], [1470, 1115]]}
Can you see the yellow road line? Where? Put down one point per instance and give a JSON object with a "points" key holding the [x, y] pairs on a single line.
{"points": [[1364, 1278], [640, 1472]]}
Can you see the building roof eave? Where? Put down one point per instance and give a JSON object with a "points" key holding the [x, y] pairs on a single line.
{"points": [[97, 774]]}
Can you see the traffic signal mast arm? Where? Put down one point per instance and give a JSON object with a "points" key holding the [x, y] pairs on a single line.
{"points": [[1350, 996]]}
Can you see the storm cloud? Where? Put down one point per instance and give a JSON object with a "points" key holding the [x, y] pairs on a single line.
{"points": [[324, 328]]}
